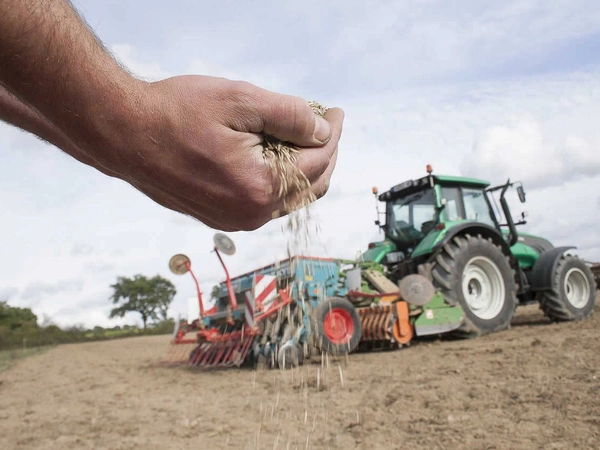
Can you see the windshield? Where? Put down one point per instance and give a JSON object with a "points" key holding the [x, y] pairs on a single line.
{"points": [[410, 218], [466, 204]]}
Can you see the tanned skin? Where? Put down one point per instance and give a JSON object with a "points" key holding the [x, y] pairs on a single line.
{"points": [[191, 143]]}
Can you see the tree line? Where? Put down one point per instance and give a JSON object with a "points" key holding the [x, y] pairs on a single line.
{"points": [[149, 297]]}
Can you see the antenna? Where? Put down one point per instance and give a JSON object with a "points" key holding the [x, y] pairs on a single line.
{"points": [[377, 222]]}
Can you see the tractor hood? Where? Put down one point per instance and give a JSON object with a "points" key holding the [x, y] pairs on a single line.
{"points": [[378, 250]]}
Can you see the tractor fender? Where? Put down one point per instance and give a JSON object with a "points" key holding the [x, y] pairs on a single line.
{"points": [[541, 274], [486, 231]]}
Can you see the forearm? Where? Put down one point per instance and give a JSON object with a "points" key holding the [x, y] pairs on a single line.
{"points": [[51, 60], [13, 111], [17, 113]]}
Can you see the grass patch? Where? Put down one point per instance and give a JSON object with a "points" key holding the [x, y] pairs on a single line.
{"points": [[10, 357]]}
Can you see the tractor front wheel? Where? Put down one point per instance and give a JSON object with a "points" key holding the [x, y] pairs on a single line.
{"points": [[337, 326], [573, 292], [475, 273]]}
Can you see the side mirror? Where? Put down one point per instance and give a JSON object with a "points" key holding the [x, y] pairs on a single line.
{"points": [[521, 193]]}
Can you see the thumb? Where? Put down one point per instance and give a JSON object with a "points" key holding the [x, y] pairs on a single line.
{"points": [[291, 119]]}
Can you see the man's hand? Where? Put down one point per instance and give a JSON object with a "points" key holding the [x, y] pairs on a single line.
{"points": [[191, 143], [199, 150]]}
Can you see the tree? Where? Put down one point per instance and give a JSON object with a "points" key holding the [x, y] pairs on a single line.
{"points": [[150, 297], [215, 292], [14, 317]]}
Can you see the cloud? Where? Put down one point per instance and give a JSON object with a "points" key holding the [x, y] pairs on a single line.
{"points": [[125, 54], [518, 150], [81, 249], [7, 293], [35, 291]]}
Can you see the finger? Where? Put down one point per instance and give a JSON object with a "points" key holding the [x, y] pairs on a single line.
{"points": [[299, 200], [321, 186], [285, 117], [314, 162]]}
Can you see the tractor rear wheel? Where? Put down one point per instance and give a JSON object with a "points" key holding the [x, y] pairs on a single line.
{"points": [[573, 292], [475, 273], [337, 326]]}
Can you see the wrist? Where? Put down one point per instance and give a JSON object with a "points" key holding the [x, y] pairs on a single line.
{"points": [[114, 122]]}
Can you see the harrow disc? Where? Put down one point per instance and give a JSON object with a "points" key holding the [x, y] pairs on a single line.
{"points": [[178, 264]]}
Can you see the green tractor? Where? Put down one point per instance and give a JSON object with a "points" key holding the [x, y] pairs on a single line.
{"points": [[445, 228]]}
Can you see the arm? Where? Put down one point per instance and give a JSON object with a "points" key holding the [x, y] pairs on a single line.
{"points": [[51, 60], [14, 112], [191, 143]]}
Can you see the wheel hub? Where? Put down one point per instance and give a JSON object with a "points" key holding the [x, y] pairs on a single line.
{"points": [[338, 326], [483, 287], [577, 288]]}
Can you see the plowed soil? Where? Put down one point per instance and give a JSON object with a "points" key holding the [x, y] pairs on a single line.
{"points": [[535, 386]]}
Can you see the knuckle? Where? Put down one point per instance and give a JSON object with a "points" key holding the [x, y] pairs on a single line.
{"points": [[301, 116], [243, 95]]}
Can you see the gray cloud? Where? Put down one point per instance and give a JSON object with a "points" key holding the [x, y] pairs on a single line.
{"points": [[34, 292], [99, 266], [81, 249], [8, 293]]}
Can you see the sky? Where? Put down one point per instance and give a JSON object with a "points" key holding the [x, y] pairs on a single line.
{"points": [[494, 90]]}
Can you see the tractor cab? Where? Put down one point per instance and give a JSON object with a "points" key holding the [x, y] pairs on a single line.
{"points": [[418, 213]]}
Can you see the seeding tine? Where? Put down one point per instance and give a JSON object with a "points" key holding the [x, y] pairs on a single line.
{"points": [[228, 361], [195, 355], [230, 351], [218, 354], [203, 350], [246, 348], [207, 355], [178, 353]]}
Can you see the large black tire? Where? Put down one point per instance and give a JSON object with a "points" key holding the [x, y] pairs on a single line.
{"points": [[471, 269], [572, 295], [342, 340]]}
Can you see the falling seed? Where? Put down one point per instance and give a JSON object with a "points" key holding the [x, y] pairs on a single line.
{"points": [[294, 186], [341, 375]]}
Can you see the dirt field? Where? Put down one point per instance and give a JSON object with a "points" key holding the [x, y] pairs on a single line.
{"points": [[532, 387]]}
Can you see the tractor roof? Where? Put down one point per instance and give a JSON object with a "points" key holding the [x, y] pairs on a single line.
{"points": [[461, 180], [416, 185]]}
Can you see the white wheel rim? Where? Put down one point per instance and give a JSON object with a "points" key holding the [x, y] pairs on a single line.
{"points": [[577, 288], [483, 287]]}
